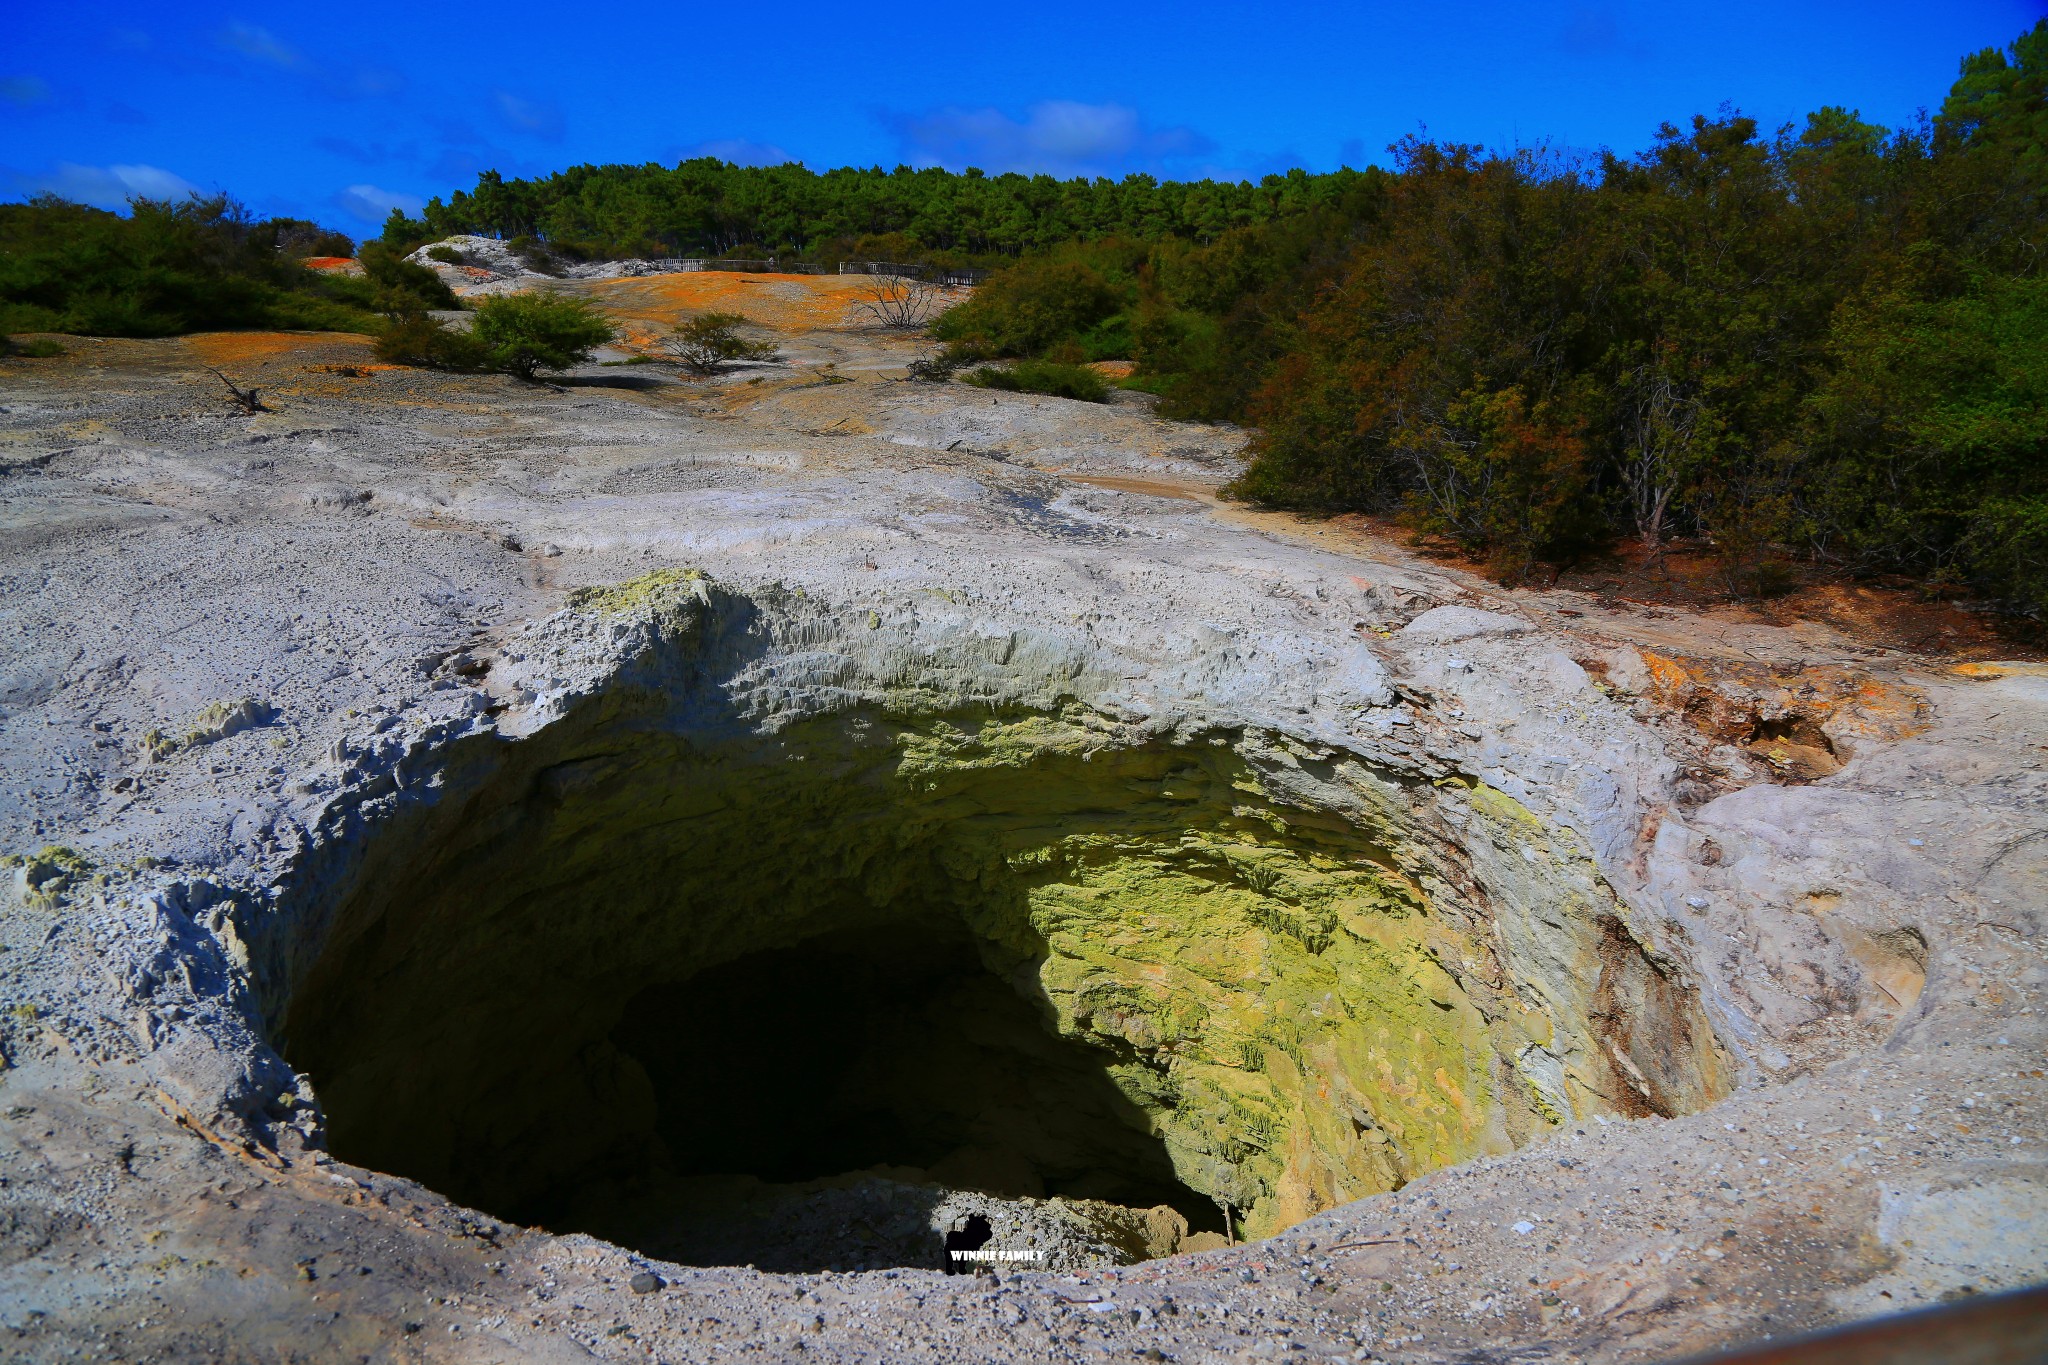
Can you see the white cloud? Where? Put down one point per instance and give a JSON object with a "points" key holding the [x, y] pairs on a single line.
{"points": [[1059, 137], [107, 187], [374, 205], [539, 117], [259, 44]]}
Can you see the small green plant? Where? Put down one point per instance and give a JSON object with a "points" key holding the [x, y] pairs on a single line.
{"points": [[1047, 377], [937, 367], [526, 333], [446, 255], [705, 342], [47, 875], [37, 348]]}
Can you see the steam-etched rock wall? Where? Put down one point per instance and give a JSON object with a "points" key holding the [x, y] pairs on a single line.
{"points": [[1314, 973]]}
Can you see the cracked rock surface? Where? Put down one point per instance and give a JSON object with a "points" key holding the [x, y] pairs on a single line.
{"points": [[1735, 1028]]}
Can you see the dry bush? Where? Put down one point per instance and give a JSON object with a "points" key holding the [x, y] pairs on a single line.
{"points": [[709, 340], [899, 303]]}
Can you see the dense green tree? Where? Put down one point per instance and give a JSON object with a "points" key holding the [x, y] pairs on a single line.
{"points": [[709, 207], [1035, 305], [165, 267], [523, 334], [1829, 342]]}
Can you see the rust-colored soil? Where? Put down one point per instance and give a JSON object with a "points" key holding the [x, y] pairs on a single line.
{"points": [[344, 265], [243, 348], [1779, 715], [2003, 669], [647, 306], [1157, 488], [1893, 615]]}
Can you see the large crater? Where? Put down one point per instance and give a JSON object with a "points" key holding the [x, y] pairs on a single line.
{"points": [[746, 993]]}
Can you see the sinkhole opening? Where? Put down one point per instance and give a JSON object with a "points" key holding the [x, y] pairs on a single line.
{"points": [[890, 1047], [841, 995], [845, 1102]]}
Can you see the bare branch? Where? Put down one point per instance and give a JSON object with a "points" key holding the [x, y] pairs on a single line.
{"points": [[246, 397], [899, 303]]}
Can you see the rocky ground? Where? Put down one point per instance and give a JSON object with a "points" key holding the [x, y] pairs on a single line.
{"points": [[218, 630]]}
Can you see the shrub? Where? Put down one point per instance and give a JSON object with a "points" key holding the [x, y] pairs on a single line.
{"points": [[40, 348], [298, 238], [534, 252], [938, 367], [1044, 376], [526, 333], [417, 339], [2008, 545], [165, 268], [1500, 474], [403, 286], [900, 304], [709, 340], [1034, 305], [1109, 339], [446, 255], [932, 368]]}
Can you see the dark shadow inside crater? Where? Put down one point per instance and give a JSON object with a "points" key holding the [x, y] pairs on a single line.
{"points": [[659, 994], [890, 1047]]}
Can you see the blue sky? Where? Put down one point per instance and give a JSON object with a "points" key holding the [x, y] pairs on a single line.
{"points": [[338, 113]]}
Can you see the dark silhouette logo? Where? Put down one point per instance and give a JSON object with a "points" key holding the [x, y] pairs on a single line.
{"points": [[971, 1233]]}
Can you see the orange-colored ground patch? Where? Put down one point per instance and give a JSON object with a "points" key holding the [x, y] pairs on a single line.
{"points": [[353, 371], [1779, 716], [1157, 488], [2002, 669], [1113, 369], [648, 306], [222, 349], [346, 265]]}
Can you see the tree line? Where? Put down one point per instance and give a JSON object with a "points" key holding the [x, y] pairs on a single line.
{"points": [[203, 263], [707, 207], [1826, 343]]}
